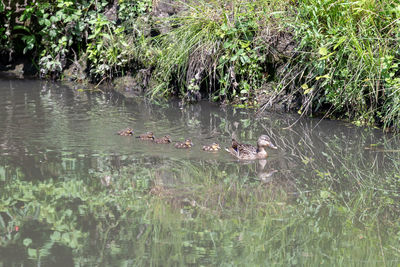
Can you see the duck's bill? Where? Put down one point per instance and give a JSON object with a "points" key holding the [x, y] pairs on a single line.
{"points": [[272, 145]]}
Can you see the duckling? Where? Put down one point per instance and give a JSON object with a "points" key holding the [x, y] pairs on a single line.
{"points": [[126, 132], [187, 144], [249, 152], [163, 140], [146, 136], [212, 148]]}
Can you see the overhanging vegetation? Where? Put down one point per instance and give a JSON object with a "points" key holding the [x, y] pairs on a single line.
{"points": [[332, 58]]}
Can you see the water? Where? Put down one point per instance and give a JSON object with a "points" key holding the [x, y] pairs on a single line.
{"points": [[73, 192]]}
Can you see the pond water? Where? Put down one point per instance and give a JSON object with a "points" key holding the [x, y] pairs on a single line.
{"points": [[73, 192]]}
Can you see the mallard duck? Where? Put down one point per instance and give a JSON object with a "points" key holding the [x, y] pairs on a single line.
{"points": [[212, 148], [163, 140], [146, 136], [249, 152], [126, 132], [187, 144]]}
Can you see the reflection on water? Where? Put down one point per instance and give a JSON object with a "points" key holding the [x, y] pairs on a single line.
{"points": [[75, 191]]}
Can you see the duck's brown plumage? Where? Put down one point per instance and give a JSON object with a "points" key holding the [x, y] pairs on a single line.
{"points": [[187, 144], [249, 152], [126, 132], [163, 140], [212, 148], [146, 136]]}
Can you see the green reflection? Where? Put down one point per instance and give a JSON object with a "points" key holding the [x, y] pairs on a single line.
{"points": [[142, 217]]}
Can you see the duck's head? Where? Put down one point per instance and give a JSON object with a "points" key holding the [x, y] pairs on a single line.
{"points": [[167, 138], [264, 141]]}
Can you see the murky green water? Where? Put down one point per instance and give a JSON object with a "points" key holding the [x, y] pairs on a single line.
{"points": [[74, 193]]}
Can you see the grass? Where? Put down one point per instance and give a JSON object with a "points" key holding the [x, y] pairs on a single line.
{"points": [[349, 57], [338, 59], [341, 58], [213, 48]]}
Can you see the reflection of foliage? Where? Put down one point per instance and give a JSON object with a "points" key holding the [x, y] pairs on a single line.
{"points": [[68, 211], [208, 217], [330, 201]]}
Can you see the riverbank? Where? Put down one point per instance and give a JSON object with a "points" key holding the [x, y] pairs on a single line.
{"points": [[317, 58]]}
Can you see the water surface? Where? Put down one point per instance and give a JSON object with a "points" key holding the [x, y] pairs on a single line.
{"points": [[73, 191]]}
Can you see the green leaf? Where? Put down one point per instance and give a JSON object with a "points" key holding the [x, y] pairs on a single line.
{"points": [[227, 45], [27, 242], [37, 213], [66, 238], [32, 253], [341, 40], [244, 58], [20, 27], [107, 36], [323, 51], [327, 56], [52, 33], [54, 19], [68, 212], [325, 194], [55, 236], [326, 76], [2, 224], [307, 91], [47, 22]]}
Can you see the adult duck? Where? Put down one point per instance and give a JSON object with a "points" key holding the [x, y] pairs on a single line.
{"points": [[249, 152]]}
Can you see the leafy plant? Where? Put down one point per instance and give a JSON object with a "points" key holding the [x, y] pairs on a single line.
{"points": [[213, 45], [344, 54], [58, 32]]}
